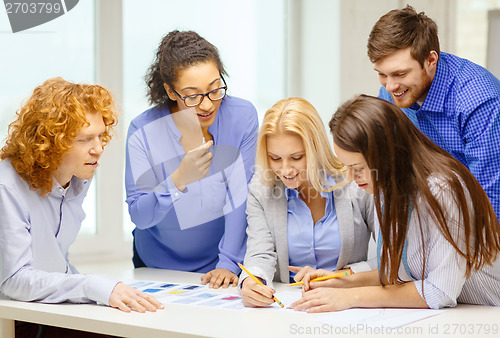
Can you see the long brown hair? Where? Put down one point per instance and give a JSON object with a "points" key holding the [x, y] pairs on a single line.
{"points": [[402, 159]]}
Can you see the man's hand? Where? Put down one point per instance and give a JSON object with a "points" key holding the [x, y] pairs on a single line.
{"points": [[126, 298]]}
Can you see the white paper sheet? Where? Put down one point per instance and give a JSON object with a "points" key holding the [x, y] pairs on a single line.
{"points": [[388, 318]]}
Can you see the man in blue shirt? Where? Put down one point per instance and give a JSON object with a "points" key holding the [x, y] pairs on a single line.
{"points": [[49, 158], [453, 101]]}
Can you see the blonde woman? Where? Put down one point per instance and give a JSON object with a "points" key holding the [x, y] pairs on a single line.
{"points": [[298, 216]]}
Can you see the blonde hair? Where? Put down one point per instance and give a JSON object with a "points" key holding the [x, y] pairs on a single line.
{"points": [[297, 116], [48, 123]]}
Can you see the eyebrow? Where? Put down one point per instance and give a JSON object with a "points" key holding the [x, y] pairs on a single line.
{"points": [[86, 136], [193, 88], [394, 72], [354, 164], [96, 133], [294, 154]]}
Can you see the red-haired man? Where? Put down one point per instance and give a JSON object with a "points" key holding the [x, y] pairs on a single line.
{"points": [[49, 158]]}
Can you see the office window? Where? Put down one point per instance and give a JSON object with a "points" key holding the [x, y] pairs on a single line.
{"points": [[472, 29], [63, 47]]}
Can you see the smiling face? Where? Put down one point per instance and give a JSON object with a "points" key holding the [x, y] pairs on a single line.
{"points": [[81, 159], [404, 78], [200, 78], [287, 159], [357, 168]]}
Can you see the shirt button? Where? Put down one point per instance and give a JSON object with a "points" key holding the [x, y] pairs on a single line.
{"points": [[176, 194], [312, 249]]}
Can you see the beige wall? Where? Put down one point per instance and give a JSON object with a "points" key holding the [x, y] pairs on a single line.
{"points": [[357, 19]]}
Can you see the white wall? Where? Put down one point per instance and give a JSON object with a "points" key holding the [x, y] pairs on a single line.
{"points": [[493, 54], [314, 53], [357, 19]]}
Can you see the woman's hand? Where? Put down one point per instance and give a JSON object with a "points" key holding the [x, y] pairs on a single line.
{"points": [[306, 274], [194, 166], [126, 298], [324, 299], [255, 295], [219, 277], [403, 295]]}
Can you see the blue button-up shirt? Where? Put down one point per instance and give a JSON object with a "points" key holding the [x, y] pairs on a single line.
{"points": [[461, 114], [316, 245]]}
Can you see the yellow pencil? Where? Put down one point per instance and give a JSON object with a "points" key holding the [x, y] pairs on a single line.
{"points": [[258, 282], [318, 279]]}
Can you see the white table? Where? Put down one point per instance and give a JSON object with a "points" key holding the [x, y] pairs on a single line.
{"points": [[179, 320]]}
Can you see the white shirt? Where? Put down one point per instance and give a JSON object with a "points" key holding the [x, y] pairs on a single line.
{"points": [[444, 281], [35, 235]]}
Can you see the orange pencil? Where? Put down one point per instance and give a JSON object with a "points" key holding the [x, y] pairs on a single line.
{"points": [[318, 279], [258, 282]]}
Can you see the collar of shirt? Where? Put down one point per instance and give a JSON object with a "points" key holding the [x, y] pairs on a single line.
{"points": [[294, 193], [437, 93], [76, 186], [291, 193], [173, 128]]}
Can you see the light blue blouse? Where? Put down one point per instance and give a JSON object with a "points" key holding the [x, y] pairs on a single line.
{"points": [[316, 245], [202, 227]]}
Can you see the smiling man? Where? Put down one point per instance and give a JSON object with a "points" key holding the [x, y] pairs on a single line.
{"points": [[453, 101], [49, 158]]}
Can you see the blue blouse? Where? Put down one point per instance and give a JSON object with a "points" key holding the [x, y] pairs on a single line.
{"points": [[202, 227], [316, 245]]}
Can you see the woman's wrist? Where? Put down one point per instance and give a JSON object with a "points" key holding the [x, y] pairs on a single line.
{"points": [[178, 181]]}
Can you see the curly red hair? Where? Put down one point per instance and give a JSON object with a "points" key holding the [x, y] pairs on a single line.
{"points": [[47, 124]]}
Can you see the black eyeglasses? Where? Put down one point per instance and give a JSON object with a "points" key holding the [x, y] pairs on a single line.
{"points": [[195, 99]]}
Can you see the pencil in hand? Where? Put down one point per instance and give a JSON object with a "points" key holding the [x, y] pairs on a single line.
{"points": [[259, 282], [319, 279]]}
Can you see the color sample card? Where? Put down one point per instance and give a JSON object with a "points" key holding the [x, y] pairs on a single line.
{"points": [[231, 298], [205, 295], [168, 285], [152, 290]]}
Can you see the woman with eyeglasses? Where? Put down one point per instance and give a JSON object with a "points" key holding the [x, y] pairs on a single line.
{"points": [[439, 238], [299, 218], [189, 160]]}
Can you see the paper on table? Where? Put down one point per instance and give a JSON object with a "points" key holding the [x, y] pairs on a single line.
{"points": [[287, 298], [201, 295], [189, 294], [388, 318]]}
